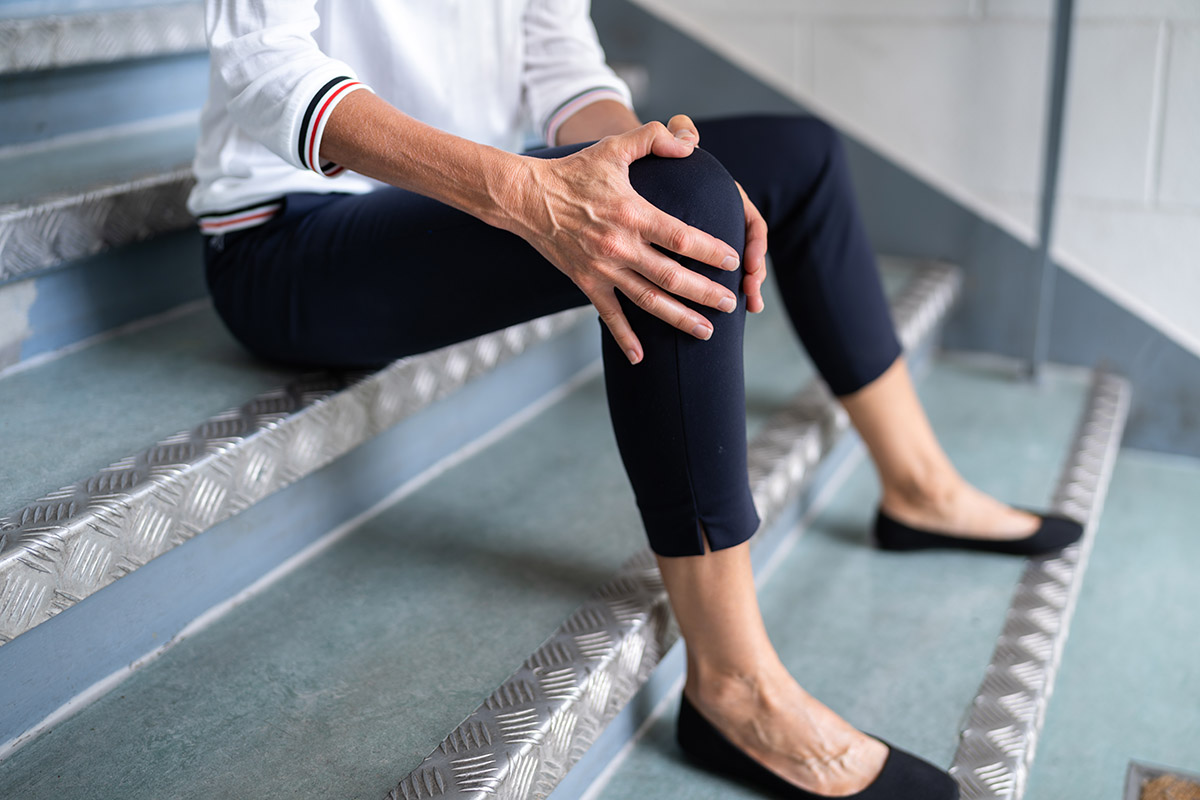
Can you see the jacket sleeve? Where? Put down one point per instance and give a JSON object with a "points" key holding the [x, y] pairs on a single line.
{"points": [[564, 67], [280, 87]]}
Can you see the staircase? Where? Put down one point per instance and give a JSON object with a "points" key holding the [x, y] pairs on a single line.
{"points": [[220, 578]]}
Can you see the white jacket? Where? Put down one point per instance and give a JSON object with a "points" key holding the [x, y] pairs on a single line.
{"points": [[481, 69]]}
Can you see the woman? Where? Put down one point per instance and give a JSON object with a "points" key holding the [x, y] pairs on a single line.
{"points": [[349, 226]]}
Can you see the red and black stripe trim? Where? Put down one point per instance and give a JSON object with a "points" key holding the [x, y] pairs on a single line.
{"points": [[315, 117], [240, 218]]}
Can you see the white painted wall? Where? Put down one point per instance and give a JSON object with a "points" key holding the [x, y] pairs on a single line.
{"points": [[954, 91]]}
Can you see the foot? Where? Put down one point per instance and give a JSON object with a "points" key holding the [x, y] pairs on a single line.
{"points": [[956, 508], [784, 728]]}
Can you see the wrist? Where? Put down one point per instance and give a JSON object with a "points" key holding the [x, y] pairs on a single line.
{"points": [[511, 182]]}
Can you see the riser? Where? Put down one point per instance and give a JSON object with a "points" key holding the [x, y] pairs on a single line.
{"points": [[41, 105], [93, 296]]}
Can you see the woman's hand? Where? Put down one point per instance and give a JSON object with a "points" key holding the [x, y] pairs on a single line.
{"points": [[582, 214]]}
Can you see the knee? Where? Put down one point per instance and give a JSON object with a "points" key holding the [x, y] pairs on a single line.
{"points": [[697, 190]]}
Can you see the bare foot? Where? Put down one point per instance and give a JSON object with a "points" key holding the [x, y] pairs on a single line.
{"points": [[958, 508], [774, 721]]}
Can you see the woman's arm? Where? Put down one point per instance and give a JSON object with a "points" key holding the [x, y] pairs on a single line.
{"points": [[580, 212]]}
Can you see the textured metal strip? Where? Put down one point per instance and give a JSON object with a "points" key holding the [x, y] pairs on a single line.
{"points": [[50, 42], [997, 743], [56, 230], [520, 743], [70, 543]]}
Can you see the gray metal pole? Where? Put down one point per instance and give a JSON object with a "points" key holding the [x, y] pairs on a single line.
{"points": [[1052, 150]]}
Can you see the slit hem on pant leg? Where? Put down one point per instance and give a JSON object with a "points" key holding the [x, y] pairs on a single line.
{"points": [[669, 537]]}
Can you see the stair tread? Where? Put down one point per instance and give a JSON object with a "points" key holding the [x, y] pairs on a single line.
{"points": [[79, 164], [1128, 683], [530, 528], [69, 417], [341, 675], [897, 643]]}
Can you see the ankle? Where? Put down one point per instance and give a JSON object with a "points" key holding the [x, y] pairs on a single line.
{"points": [[928, 492], [727, 691]]}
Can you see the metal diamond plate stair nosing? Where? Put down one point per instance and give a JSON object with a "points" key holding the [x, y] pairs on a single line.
{"points": [[998, 741], [525, 737], [68, 226], [74, 541], [55, 41]]}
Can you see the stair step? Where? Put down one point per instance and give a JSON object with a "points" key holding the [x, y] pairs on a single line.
{"points": [[196, 478], [114, 523], [896, 643], [66, 40], [998, 740], [570, 525], [80, 194], [1128, 685], [349, 668], [522, 740]]}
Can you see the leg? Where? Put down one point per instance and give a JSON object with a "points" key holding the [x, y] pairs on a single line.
{"points": [[735, 678], [358, 280], [794, 170]]}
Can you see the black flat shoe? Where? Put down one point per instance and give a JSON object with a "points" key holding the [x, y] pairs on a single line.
{"points": [[1055, 533], [904, 776]]}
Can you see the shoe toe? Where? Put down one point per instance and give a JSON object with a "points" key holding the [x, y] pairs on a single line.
{"points": [[908, 776]]}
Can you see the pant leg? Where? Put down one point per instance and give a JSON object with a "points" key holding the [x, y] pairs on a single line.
{"points": [[360, 280], [794, 170]]}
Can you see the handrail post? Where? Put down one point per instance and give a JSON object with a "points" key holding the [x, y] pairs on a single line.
{"points": [[1052, 153]]}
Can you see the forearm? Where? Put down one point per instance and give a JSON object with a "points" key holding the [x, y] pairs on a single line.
{"points": [[371, 137], [595, 121]]}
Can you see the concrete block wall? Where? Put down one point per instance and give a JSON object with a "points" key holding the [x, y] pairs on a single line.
{"points": [[954, 91]]}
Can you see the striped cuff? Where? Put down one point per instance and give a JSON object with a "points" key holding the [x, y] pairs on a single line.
{"points": [[573, 104], [240, 219], [315, 118]]}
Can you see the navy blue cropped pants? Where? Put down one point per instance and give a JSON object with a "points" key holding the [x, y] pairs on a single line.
{"points": [[359, 280]]}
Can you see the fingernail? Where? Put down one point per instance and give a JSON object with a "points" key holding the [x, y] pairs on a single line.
{"points": [[702, 332], [633, 356], [686, 135], [730, 263], [727, 304]]}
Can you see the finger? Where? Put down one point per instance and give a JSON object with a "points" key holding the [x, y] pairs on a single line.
{"points": [[618, 325], [653, 137], [752, 287], [682, 239], [754, 255], [683, 282], [682, 127], [654, 300]]}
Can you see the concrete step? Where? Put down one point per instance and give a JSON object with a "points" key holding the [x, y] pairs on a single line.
{"points": [[899, 643], [141, 477], [76, 195], [494, 477]]}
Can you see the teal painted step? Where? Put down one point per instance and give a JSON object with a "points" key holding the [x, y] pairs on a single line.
{"points": [[371, 653], [1129, 685], [897, 643], [68, 418], [97, 159], [345, 674]]}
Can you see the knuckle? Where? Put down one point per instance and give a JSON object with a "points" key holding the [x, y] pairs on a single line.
{"points": [[677, 239], [672, 279], [609, 244], [647, 297]]}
